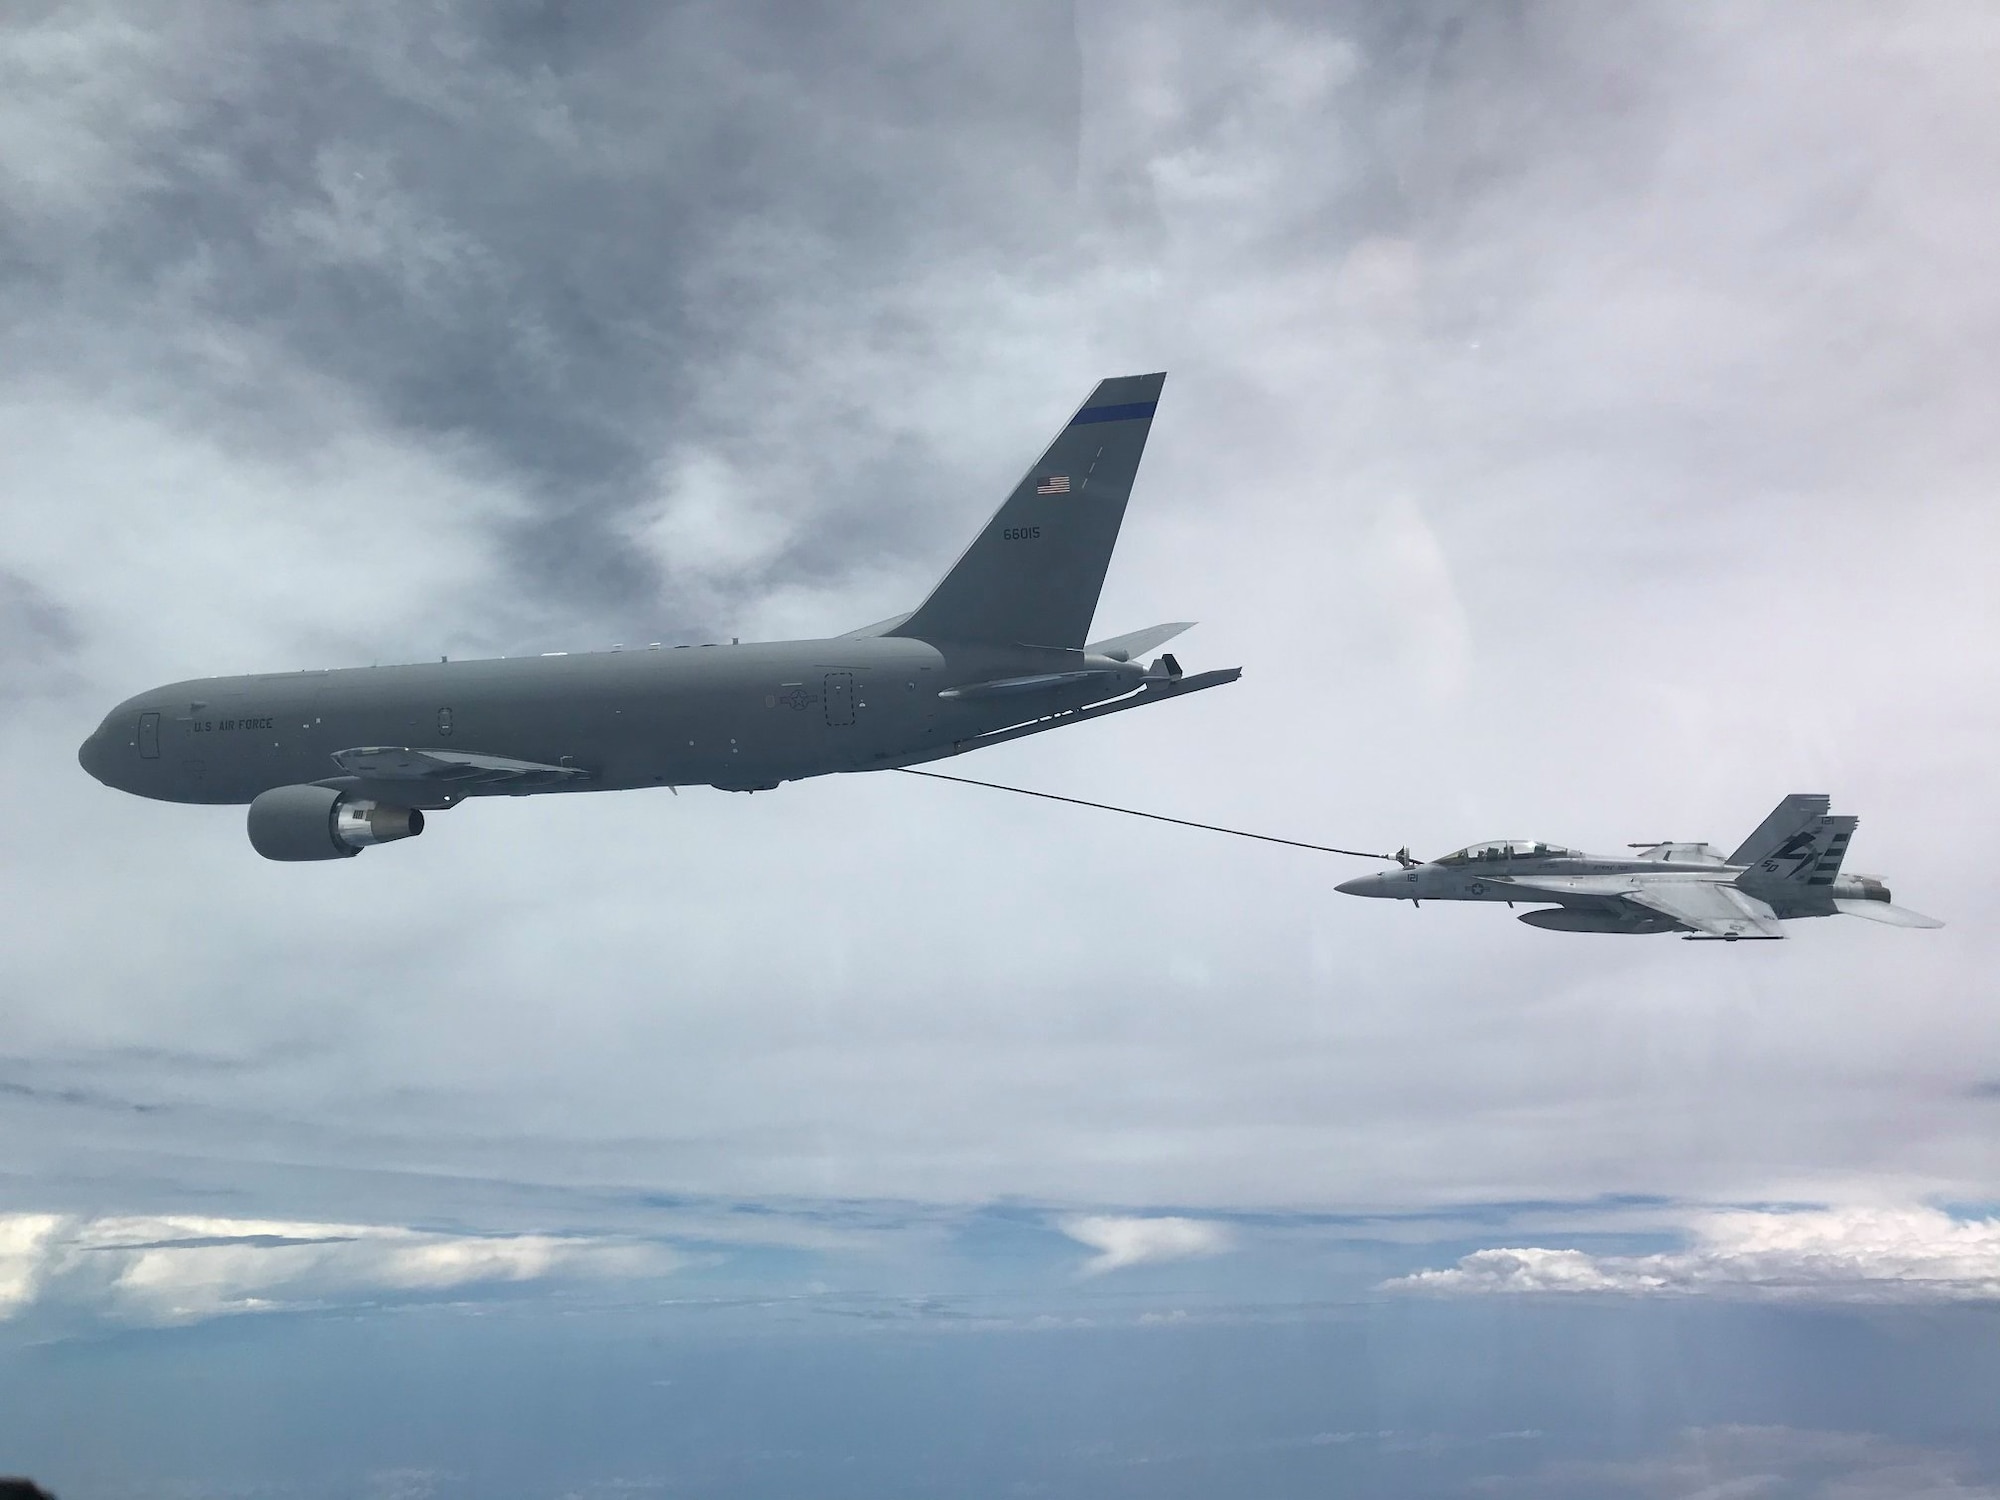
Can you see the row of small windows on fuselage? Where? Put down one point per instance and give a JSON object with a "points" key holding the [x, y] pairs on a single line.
{"points": [[1501, 849]]}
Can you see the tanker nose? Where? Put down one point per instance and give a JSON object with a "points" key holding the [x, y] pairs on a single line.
{"points": [[1366, 885], [94, 755]]}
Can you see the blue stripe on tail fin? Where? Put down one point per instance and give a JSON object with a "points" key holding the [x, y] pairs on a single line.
{"points": [[1032, 576]]}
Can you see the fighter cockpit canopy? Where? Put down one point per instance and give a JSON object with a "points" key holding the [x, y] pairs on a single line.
{"points": [[1495, 850]]}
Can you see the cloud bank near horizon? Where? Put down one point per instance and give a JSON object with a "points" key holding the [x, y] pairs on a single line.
{"points": [[1122, 1240], [174, 1269], [1856, 1254]]}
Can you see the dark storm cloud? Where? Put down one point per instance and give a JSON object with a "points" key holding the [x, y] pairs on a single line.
{"points": [[540, 230], [14, 1088], [38, 638], [551, 233]]}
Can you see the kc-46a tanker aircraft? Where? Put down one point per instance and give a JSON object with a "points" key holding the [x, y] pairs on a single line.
{"points": [[331, 762], [1790, 867]]}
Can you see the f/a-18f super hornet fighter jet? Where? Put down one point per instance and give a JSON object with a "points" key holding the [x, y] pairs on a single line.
{"points": [[331, 762], [1790, 867]]}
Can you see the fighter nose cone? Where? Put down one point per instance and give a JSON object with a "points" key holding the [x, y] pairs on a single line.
{"points": [[1363, 885]]}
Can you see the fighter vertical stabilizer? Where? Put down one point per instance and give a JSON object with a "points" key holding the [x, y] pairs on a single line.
{"points": [[1810, 855], [1795, 814]]}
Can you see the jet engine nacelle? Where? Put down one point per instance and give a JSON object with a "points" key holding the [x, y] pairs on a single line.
{"points": [[1581, 919], [320, 822]]}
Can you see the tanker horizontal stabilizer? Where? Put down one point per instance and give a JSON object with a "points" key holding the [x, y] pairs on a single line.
{"points": [[1037, 682], [1139, 642], [1155, 690]]}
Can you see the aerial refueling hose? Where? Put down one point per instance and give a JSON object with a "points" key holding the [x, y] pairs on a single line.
{"points": [[1133, 812]]}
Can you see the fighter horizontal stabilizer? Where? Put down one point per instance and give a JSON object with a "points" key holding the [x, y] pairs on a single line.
{"points": [[1882, 911], [1139, 642], [453, 768]]}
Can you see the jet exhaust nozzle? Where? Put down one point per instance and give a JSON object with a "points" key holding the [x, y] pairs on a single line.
{"points": [[1860, 888], [297, 823], [359, 824]]}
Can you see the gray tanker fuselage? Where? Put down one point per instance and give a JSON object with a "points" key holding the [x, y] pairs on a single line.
{"points": [[331, 762], [740, 717]]}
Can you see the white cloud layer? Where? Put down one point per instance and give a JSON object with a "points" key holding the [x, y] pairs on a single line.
{"points": [[1837, 1254], [1128, 1240], [159, 1271]]}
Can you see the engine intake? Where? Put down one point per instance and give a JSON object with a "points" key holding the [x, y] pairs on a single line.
{"points": [[295, 823]]}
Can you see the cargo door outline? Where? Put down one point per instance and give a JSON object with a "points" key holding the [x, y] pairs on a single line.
{"points": [[149, 736], [839, 699]]}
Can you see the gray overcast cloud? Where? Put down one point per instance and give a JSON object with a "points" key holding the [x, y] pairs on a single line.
{"points": [[1579, 424]]}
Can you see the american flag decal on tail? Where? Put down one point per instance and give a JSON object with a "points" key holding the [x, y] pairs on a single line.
{"points": [[1055, 484]]}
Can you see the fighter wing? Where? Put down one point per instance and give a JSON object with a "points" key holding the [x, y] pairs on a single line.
{"points": [[1882, 911], [1713, 908], [1568, 887], [451, 769]]}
